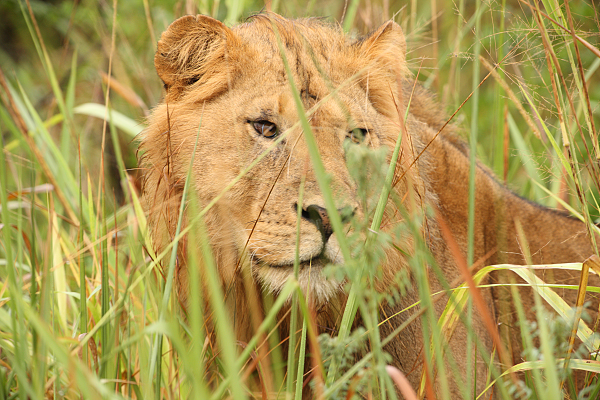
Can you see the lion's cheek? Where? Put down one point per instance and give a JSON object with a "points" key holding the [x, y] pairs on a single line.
{"points": [[332, 251]]}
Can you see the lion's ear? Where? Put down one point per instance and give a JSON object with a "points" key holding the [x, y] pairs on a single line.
{"points": [[194, 48], [384, 67], [387, 48]]}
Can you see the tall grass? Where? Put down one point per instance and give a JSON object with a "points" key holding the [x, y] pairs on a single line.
{"points": [[88, 310]]}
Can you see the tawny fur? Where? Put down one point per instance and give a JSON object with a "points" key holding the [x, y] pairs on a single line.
{"points": [[219, 80]]}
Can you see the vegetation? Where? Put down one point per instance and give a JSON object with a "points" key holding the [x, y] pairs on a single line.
{"points": [[86, 309]]}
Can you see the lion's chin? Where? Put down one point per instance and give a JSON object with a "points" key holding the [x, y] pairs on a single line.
{"points": [[316, 287]]}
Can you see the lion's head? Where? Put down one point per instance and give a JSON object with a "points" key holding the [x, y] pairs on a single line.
{"points": [[229, 90]]}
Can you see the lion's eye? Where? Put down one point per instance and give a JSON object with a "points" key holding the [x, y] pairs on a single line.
{"points": [[265, 128], [357, 135]]}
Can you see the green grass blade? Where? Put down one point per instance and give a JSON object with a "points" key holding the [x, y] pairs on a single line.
{"points": [[121, 121]]}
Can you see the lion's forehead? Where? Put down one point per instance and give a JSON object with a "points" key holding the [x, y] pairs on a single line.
{"points": [[318, 59], [301, 35]]}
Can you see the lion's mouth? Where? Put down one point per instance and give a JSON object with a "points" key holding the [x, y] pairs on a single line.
{"points": [[315, 258], [311, 263], [313, 283]]}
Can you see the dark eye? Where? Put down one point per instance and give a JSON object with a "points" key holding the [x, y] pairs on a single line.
{"points": [[265, 128], [357, 135]]}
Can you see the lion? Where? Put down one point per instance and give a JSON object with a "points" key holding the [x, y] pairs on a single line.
{"points": [[227, 90]]}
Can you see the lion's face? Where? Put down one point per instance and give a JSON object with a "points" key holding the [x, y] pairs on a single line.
{"points": [[229, 90]]}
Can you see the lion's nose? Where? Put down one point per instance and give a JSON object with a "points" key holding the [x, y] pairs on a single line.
{"points": [[319, 217]]}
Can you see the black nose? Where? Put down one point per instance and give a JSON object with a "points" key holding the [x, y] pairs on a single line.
{"points": [[319, 217]]}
